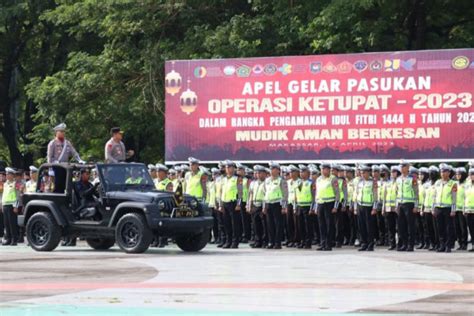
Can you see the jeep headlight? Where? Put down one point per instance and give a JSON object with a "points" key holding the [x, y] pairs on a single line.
{"points": [[161, 205]]}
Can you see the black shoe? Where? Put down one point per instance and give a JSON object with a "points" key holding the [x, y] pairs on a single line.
{"points": [[234, 246], [220, 245], [464, 247], [370, 248], [402, 248], [410, 249], [321, 248], [257, 245], [226, 246], [471, 250], [212, 242], [328, 249], [300, 246], [14, 243], [346, 243], [307, 246], [392, 247], [427, 246], [363, 248], [270, 246], [290, 245], [434, 248], [277, 246], [245, 241], [448, 249], [421, 246], [6, 243], [441, 249], [338, 245]]}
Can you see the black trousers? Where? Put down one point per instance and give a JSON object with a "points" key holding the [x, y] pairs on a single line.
{"points": [[366, 225], [470, 224], [11, 223], [306, 225], [406, 225], [354, 226], [2, 225], [420, 229], [259, 225], [391, 225], [290, 224], [275, 223], [317, 232], [220, 224], [297, 219], [326, 223], [431, 236], [461, 228], [232, 223], [215, 226], [445, 227], [343, 225], [382, 229], [246, 222]]}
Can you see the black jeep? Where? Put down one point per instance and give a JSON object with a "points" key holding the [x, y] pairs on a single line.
{"points": [[126, 209]]}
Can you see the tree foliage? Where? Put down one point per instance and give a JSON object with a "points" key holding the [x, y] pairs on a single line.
{"points": [[96, 64]]}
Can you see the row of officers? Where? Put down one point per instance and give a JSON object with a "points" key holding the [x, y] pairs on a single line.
{"points": [[300, 206]]}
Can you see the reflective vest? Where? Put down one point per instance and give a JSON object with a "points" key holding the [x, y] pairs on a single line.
{"points": [[258, 192], [381, 191], [443, 195], [324, 190], [273, 191], [390, 197], [9, 196], [193, 184], [460, 197], [229, 189], [303, 193], [245, 190], [30, 186], [134, 181], [350, 190], [218, 182], [355, 182], [211, 194], [469, 197], [292, 184], [161, 185], [340, 182], [365, 192], [405, 191], [421, 194], [429, 193]]}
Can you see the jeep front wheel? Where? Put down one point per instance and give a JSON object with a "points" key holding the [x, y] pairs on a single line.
{"points": [[193, 243], [132, 233], [42, 232], [100, 243]]}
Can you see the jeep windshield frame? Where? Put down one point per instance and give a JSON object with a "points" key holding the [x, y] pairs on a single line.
{"points": [[124, 177]]}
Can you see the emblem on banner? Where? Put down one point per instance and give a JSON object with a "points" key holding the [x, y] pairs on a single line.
{"points": [[243, 71], [360, 65], [376, 65], [408, 64], [460, 62], [257, 69], [285, 69], [229, 70], [329, 67], [392, 65], [270, 69], [315, 67], [344, 67], [200, 72]]}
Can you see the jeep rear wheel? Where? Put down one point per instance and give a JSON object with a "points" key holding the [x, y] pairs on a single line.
{"points": [[100, 243], [42, 232], [132, 233], [193, 243]]}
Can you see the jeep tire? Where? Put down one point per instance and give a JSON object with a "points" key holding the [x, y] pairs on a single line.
{"points": [[42, 232], [132, 233], [193, 243]]}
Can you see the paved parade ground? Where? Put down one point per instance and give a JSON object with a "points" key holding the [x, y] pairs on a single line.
{"points": [[80, 281]]}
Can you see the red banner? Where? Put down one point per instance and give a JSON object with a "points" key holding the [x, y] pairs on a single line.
{"points": [[414, 105]]}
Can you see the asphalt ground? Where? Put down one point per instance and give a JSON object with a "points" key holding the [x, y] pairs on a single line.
{"points": [[81, 281]]}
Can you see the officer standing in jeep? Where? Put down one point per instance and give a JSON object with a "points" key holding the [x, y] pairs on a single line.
{"points": [[115, 148]]}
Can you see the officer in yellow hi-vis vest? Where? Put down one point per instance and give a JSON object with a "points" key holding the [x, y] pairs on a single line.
{"points": [[230, 204], [327, 197], [389, 205], [366, 197], [469, 204], [406, 207], [304, 199], [10, 203], [275, 206], [162, 182], [313, 175], [173, 175], [246, 218], [195, 184], [338, 172], [445, 208], [213, 204], [427, 209], [292, 229], [349, 173], [30, 185], [460, 220], [255, 205]]}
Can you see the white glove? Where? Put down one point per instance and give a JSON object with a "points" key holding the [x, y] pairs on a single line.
{"points": [[82, 162]]}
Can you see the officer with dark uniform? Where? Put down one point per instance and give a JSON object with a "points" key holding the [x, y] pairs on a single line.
{"points": [[115, 148], [338, 172], [230, 204], [275, 206], [292, 229], [327, 199], [389, 205], [314, 174], [353, 225], [213, 204], [366, 197], [407, 206], [255, 207], [246, 218]]}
